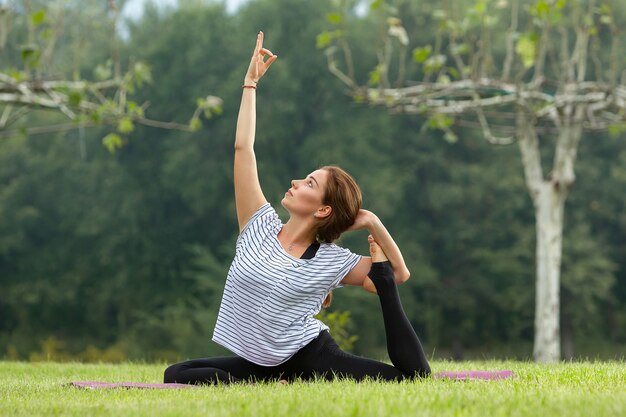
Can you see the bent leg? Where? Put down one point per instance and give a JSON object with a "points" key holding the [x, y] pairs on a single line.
{"points": [[213, 370], [322, 358], [403, 345]]}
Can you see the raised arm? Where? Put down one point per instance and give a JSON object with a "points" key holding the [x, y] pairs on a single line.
{"points": [[358, 276], [248, 194]]}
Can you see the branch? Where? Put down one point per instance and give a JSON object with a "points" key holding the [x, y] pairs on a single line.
{"points": [[487, 131], [332, 67], [531, 158], [70, 126], [541, 57], [566, 149], [510, 41]]}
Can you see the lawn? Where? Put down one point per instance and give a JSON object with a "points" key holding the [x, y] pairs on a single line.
{"points": [[566, 389]]}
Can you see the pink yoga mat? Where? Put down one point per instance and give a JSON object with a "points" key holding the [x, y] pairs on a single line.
{"points": [[474, 375], [461, 376], [102, 385]]}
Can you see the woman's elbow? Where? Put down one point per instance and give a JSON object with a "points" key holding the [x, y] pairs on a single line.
{"points": [[402, 275]]}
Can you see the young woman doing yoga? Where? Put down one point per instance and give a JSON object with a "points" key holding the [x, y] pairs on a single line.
{"points": [[282, 273]]}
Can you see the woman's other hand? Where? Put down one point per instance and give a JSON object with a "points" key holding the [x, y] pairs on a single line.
{"points": [[257, 64]]}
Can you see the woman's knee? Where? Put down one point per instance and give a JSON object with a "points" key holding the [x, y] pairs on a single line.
{"points": [[171, 374]]}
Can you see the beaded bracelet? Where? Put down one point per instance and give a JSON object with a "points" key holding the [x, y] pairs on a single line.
{"points": [[248, 86]]}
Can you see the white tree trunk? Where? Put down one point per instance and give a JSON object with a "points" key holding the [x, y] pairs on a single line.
{"points": [[548, 195], [549, 204]]}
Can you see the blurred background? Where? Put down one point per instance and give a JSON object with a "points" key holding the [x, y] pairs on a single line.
{"points": [[123, 255]]}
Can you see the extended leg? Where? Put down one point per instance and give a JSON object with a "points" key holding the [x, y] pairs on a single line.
{"points": [[213, 370], [403, 345]]}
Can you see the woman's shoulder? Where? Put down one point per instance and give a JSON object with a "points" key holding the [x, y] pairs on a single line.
{"points": [[264, 222], [335, 250]]}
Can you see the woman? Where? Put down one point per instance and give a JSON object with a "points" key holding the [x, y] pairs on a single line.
{"points": [[282, 273]]}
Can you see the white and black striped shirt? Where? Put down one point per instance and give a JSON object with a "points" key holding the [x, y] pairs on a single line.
{"points": [[270, 297]]}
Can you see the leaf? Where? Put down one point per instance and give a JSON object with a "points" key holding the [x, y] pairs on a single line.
{"points": [[125, 125], [46, 35], [434, 63], [440, 121], [334, 18], [134, 108], [443, 79], [421, 54], [38, 17], [195, 124], [606, 19], [526, 48], [541, 9], [453, 72], [103, 71], [439, 14], [480, 7], [75, 97], [112, 142], [141, 73], [29, 53], [324, 39], [375, 76], [450, 137], [376, 4], [460, 49], [616, 130], [17, 75]]}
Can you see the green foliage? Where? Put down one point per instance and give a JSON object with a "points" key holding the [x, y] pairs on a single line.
{"points": [[526, 48], [113, 142], [326, 38], [340, 324], [422, 54]]}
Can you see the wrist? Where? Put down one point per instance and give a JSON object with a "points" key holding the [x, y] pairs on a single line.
{"points": [[249, 81]]}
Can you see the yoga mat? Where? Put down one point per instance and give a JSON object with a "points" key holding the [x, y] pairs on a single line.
{"points": [[104, 385], [474, 375]]}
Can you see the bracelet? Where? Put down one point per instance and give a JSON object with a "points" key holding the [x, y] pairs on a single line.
{"points": [[248, 86]]}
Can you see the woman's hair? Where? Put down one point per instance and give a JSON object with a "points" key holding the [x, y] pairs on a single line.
{"points": [[344, 196], [328, 300]]}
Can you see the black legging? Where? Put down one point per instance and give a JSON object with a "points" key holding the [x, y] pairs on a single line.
{"points": [[322, 357]]}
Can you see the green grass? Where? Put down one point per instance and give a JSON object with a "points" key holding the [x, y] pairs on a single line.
{"points": [[565, 389]]}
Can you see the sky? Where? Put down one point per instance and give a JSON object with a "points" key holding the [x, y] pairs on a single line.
{"points": [[134, 8]]}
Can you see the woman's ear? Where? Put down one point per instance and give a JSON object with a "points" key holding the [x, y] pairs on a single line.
{"points": [[323, 212]]}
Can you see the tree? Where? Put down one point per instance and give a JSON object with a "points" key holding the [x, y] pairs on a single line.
{"points": [[539, 86], [104, 97]]}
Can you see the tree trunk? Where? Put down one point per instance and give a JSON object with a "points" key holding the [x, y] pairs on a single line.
{"points": [[549, 204]]}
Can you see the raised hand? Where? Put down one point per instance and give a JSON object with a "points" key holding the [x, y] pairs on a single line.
{"points": [[258, 65]]}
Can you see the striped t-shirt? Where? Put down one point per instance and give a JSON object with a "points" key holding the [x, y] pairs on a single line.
{"points": [[270, 297]]}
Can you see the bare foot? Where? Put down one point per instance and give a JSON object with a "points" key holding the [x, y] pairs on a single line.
{"points": [[375, 251]]}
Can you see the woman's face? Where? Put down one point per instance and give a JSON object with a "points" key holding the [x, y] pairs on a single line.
{"points": [[306, 195]]}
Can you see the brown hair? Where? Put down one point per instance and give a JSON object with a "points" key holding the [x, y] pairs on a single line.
{"points": [[344, 196]]}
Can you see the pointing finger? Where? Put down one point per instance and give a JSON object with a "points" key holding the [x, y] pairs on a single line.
{"points": [[259, 42], [270, 60]]}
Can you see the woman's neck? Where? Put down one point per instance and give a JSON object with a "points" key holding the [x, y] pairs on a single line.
{"points": [[298, 232]]}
